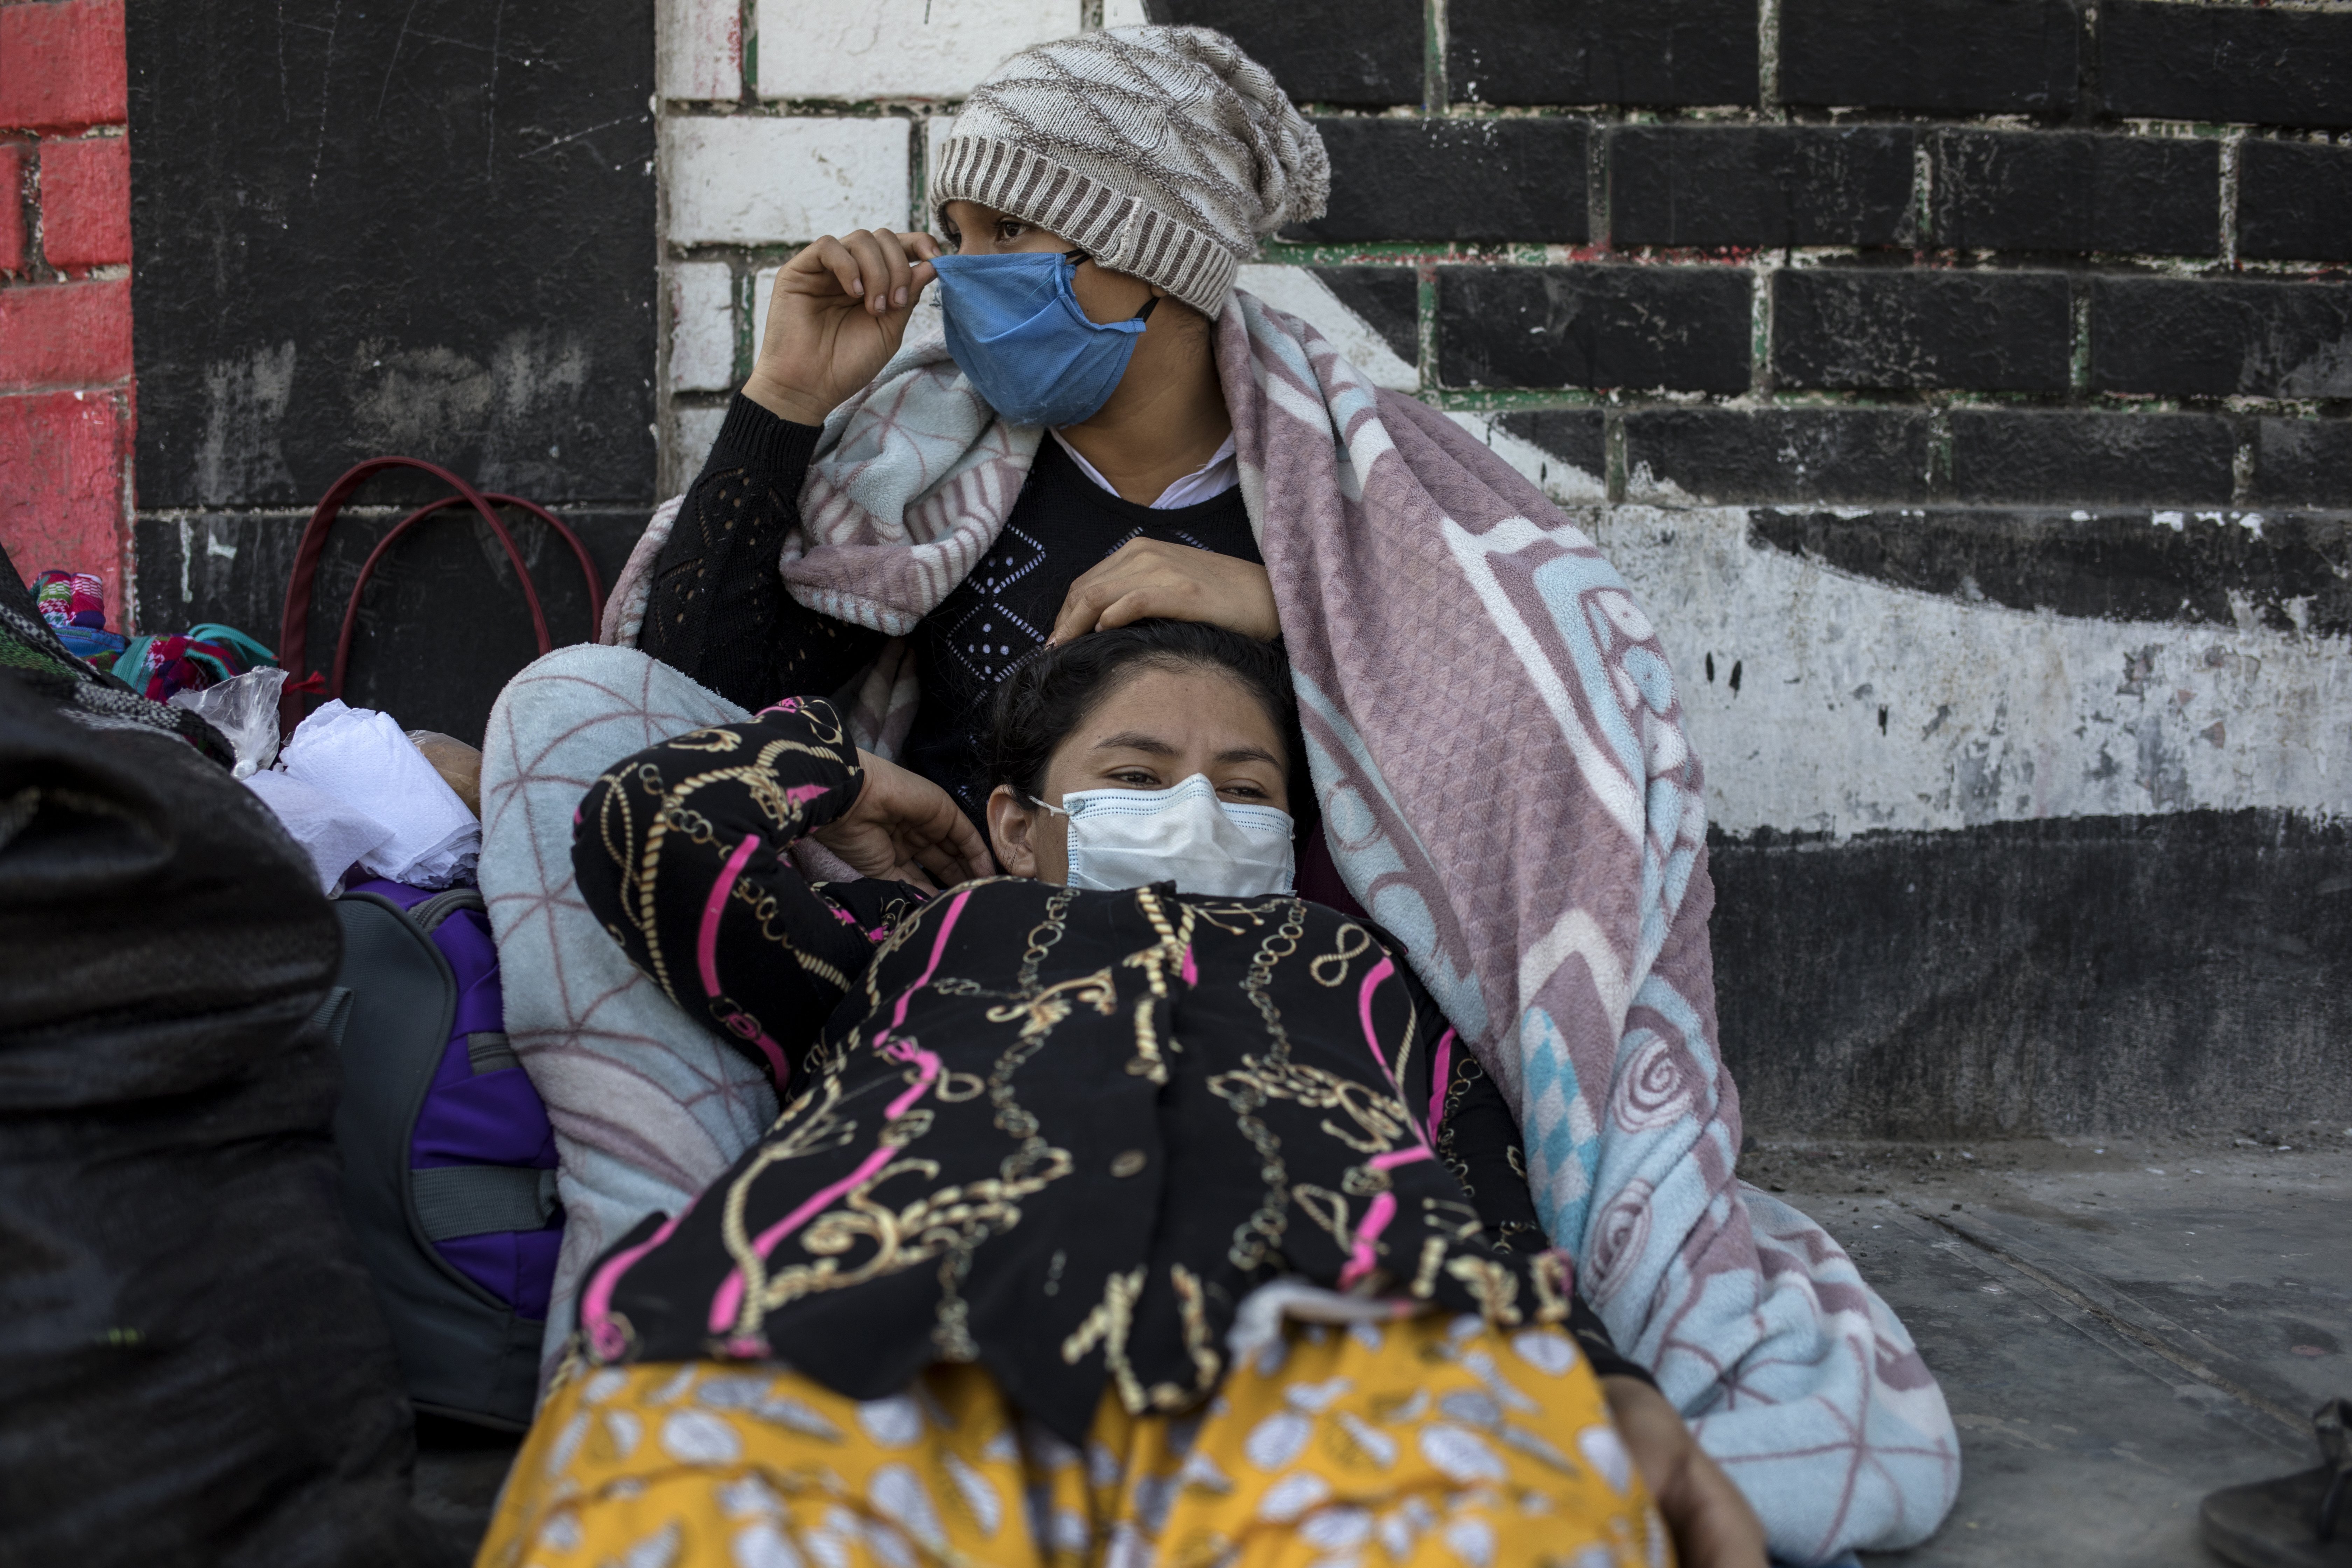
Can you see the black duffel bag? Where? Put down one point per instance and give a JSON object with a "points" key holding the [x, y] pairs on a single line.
{"points": [[194, 1368]]}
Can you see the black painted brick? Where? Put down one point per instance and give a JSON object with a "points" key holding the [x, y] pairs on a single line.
{"points": [[2295, 201], [1455, 179], [2205, 337], [2105, 564], [1387, 297], [1987, 56], [2000, 980], [1729, 456], [407, 272], [2304, 461], [1374, 58], [1683, 327], [2000, 454], [1761, 184], [2269, 65], [1577, 436], [2040, 190], [1601, 51], [1981, 331]]}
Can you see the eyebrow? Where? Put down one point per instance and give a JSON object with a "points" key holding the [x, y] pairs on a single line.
{"points": [[1151, 745], [1136, 741]]}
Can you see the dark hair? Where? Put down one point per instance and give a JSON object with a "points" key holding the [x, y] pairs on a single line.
{"points": [[1052, 692]]}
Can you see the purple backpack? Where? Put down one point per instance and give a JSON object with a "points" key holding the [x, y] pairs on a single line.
{"points": [[448, 1158]]}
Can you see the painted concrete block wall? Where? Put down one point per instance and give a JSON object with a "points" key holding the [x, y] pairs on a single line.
{"points": [[66, 396], [1968, 385], [422, 229]]}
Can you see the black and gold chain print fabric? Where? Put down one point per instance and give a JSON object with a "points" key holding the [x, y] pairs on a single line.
{"points": [[1059, 1132]]}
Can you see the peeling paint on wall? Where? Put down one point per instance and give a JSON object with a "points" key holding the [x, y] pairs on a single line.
{"points": [[244, 405], [1823, 701], [438, 399]]}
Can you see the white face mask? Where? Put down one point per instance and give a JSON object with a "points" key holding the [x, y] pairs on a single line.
{"points": [[1132, 837]]}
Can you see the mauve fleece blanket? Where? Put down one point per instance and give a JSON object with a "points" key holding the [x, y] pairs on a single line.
{"points": [[1499, 747]]}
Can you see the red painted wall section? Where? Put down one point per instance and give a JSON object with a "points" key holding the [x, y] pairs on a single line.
{"points": [[68, 399], [86, 202]]}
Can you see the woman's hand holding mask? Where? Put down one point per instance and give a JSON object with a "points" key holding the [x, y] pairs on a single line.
{"points": [[839, 312], [1145, 578], [905, 828]]}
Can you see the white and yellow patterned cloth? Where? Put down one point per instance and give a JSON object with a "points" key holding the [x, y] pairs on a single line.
{"points": [[1424, 1443]]}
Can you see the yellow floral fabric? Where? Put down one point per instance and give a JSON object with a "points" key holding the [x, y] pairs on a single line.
{"points": [[1426, 1442]]}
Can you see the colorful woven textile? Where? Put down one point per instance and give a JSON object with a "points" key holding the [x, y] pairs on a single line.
{"points": [[1431, 1443], [192, 660], [1438, 611], [74, 604], [31, 651]]}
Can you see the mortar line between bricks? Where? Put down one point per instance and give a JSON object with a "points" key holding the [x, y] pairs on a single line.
{"points": [[2079, 345], [1434, 89], [2145, 1338], [1599, 138], [919, 173], [2086, 69], [1424, 282], [740, 304], [747, 28], [2232, 154]]}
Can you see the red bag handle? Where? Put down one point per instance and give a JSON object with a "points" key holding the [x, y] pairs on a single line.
{"points": [[294, 629]]}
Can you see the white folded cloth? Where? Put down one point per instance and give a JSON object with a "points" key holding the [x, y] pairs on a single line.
{"points": [[364, 760], [334, 835]]}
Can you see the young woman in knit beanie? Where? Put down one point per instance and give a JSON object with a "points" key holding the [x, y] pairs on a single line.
{"points": [[1092, 206]]}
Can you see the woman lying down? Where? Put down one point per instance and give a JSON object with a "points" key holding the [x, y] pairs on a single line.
{"points": [[1125, 1209]]}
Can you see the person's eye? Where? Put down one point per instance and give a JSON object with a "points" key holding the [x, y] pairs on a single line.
{"points": [[1008, 231], [1136, 778], [1244, 790]]}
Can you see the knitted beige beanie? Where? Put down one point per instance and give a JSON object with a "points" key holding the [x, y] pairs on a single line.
{"points": [[1164, 152]]}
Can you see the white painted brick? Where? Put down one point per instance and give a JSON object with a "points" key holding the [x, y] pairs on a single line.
{"points": [[763, 291], [701, 327], [699, 50], [897, 48], [1302, 294], [750, 180], [693, 432], [1124, 14]]}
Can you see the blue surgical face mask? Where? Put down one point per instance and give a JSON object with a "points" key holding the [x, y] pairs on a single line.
{"points": [[1016, 331]]}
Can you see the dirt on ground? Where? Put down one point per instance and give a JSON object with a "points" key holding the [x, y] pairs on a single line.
{"points": [[1967, 1172]]}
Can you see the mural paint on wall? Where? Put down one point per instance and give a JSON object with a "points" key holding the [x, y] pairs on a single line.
{"points": [[1823, 701], [1992, 713]]}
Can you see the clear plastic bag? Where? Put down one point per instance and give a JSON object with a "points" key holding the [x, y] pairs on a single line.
{"points": [[243, 708]]}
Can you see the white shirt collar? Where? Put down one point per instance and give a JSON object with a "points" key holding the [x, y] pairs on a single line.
{"points": [[1212, 479]]}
